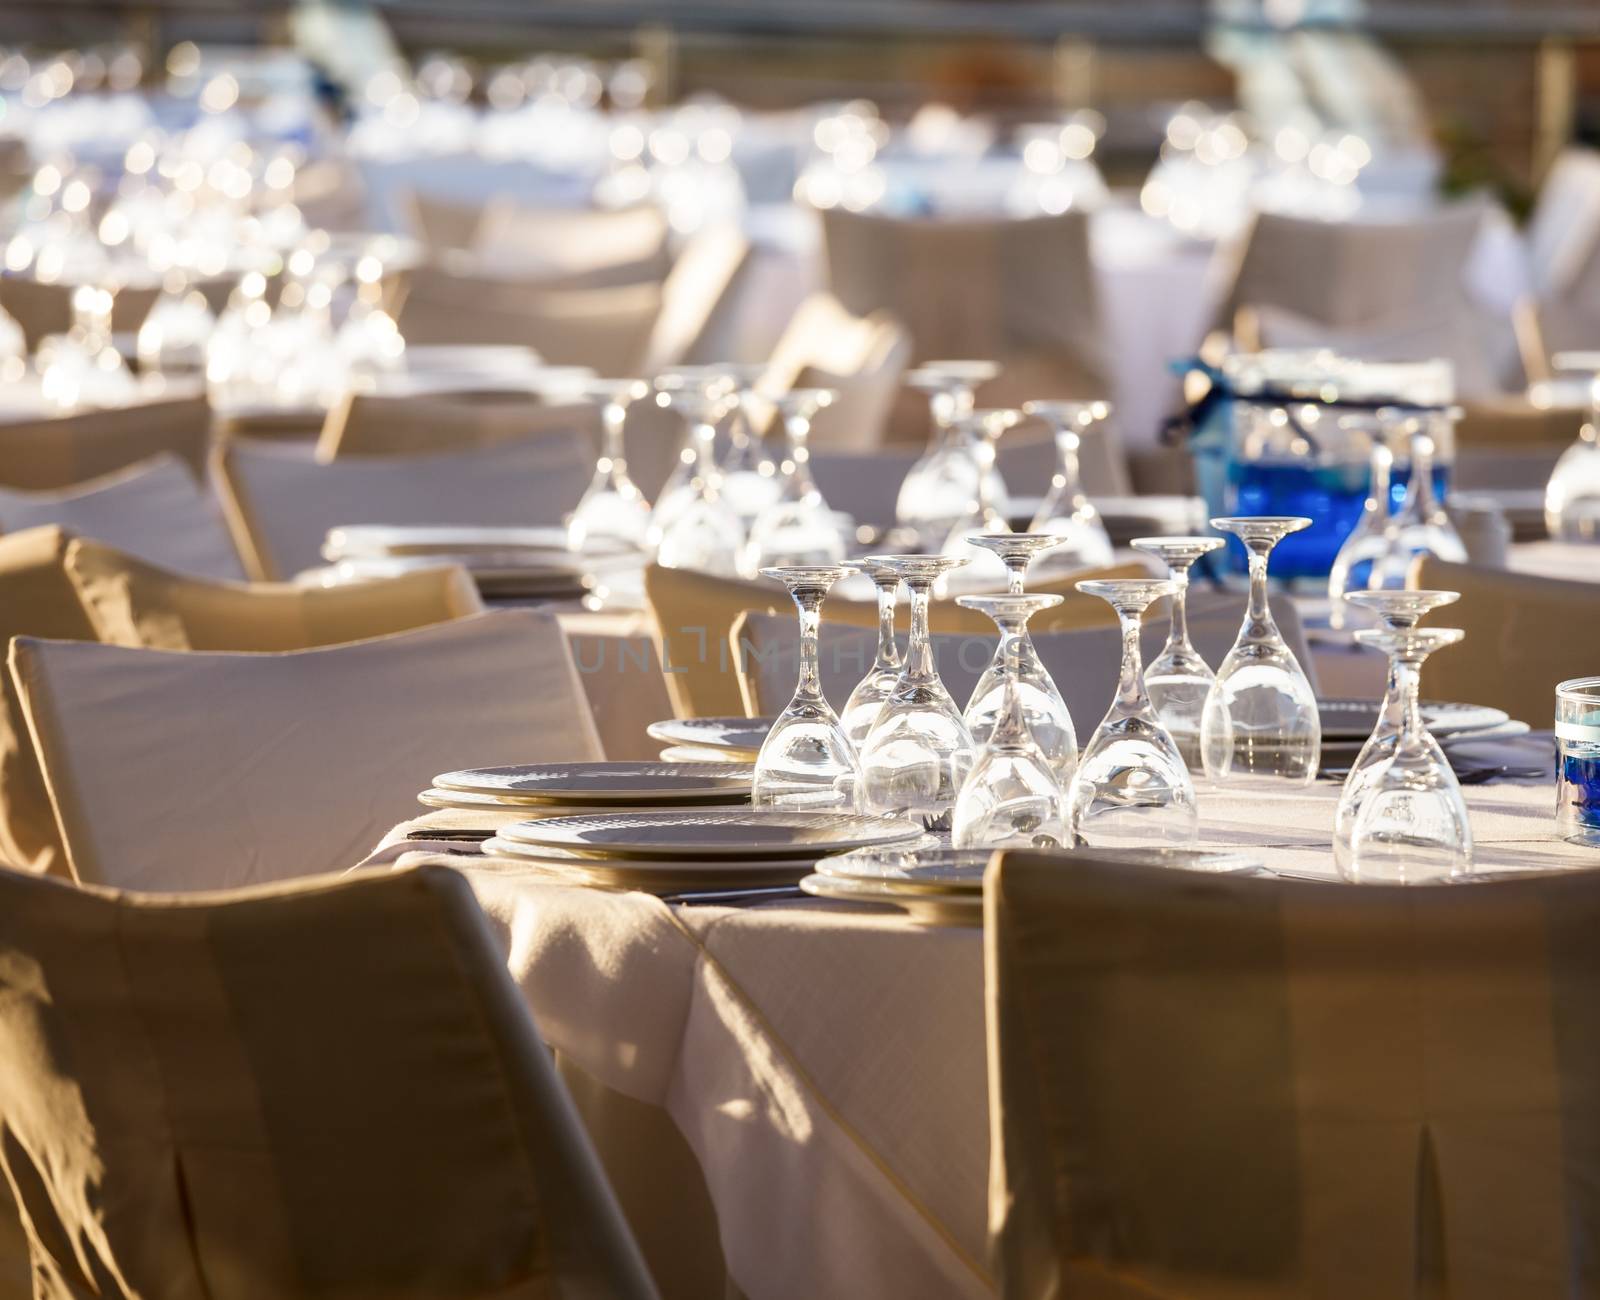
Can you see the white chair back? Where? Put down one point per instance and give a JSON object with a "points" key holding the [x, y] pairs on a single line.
{"points": [[572, 247]]}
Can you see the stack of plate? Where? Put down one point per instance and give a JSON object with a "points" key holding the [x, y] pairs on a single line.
{"points": [[711, 740], [670, 851], [504, 562], [938, 885], [1346, 724], [561, 789]]}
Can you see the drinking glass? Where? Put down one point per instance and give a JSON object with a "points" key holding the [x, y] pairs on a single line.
{"points": [[1578, 760], [1572, 497], [1412, 824], [1012, 796], [797, 527], [866, 701], [702, 532], [807, 761], [1016, 551], [1179, 680], [675, 492], [1132, 788], [1260, 721], [749, 475], [1398, 611], [172, 340], [939, 487], [1065, 510], [1421, 527], [1353, 566], [979, 431], [918, 751], [612, 507]]}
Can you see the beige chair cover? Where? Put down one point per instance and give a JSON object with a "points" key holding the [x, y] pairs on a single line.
{"points": [[130, 603], [1021, 292], [36, 599], [59, 451], [606, 328], [199, 771], [1220, 1087], [376, 424], [332, 1091], [440, 224], [860, 357], [1564, 251], [1524, 636], [1083, 660], [572, 248], [700, 301], [44, 308], [693, 614], [154, 510], [280, 502]]}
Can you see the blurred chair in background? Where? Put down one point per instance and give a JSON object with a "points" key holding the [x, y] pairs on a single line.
{"points": [[377, 424], [64, 450]]}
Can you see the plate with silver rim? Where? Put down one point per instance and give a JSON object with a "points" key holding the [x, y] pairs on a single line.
{"points": [[600, 783], [1354, 719], [695, 754], [930, 866], [469, 801], [939, 909], [654, 875], [735, 735], [752, 834]]}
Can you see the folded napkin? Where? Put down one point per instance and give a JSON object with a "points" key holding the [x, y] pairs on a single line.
{"points": [[1529, 756]]}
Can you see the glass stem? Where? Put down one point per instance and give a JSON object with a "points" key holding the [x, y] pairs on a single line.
{"points": [[1011, 728], [1382, 460], [799, 429], [612, 417], [1258, 618], [919, 651], [1067, 465], [888, 650], [1130, 684], [1180, 610], [1408, 671], [810, 606]]}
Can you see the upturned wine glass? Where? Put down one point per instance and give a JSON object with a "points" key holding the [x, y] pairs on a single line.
{"points": [[1132, 788], [1260, 721], [867, 699], [918, 751], [797, 527], [717, 386], [979, 430], [939, 487], [702, 532], [612, 508], [1179, 679], [1012, 796], [1065, 510], [1572, 496], [1398, 611], [749, 474], [1353, 566], [1412, 824], [1421, 526], [807, 761]]}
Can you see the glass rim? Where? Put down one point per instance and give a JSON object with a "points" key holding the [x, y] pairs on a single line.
{"points": [[1579, 688]]}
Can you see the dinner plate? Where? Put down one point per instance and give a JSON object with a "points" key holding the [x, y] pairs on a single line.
{"points": [[470, 358], [599, 783], [947, 909], [696, 754], [931, 867], [1355, 719], [385, 540], [751, 834], [471, 801], [739, 735], [653, 875]]}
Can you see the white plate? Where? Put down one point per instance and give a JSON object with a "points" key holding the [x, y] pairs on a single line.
{"points": [[929, 867], [469, 801], [741, 735], [753, 834], [924, 909], [1355, 719], [599, 783], [695, 754], [470, 358], [655, 875]]}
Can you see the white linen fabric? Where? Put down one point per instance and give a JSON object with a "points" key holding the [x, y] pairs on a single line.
{"points": [[153, 510], [200, 771]]}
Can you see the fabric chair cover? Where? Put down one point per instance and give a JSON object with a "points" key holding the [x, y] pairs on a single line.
{"points": [[36, 599], [700, 301], [280, 503], [379, 424], [199, 771], [440, 224], [573, 248], [694, 613], [1083, 660], [130, 603], [45, 308], [1525, 635], [329, 1091], [1222, 1087], [59, 451], [1564, 250], [154, 510]]}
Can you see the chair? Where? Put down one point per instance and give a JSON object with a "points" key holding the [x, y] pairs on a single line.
{"points": [[1082, 654], [1220, 1087], [59, 451], [154, 510], [280, 502], [1564, 251], [173, 770], [440, 224], [860, 357], [699, 302], [572, 248], [324, 1091], [1524, 636], [43, 307], [380, 424], [130, 603], [694, 613]]}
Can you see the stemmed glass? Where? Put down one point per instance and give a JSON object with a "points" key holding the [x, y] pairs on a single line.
{"points": [[807, 761], [1421, 526], [1132, 789], [979, 431], [703, 532], [749, 476], [1179, 680], [1260, 721], [1065, 510], [1572, 497], [867, 700], [918, 751], [1013, 794], [1412, 824], [1398, 611], [1353, 566], [798, 527], [943, 482], [612, 507], [709, 380]]}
